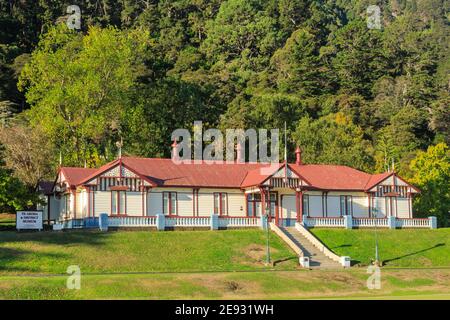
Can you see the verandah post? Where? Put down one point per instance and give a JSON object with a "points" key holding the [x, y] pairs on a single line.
{"points": [[103, 222], [391, 222], [348, 222], [432, 222], [160, 222], [262, 222], [214, 221]]}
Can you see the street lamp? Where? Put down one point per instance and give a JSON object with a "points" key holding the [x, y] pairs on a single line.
{"points": [[267, 213], [377, 257]]}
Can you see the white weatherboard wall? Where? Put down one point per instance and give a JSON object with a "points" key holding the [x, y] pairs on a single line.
{"points": [[379, 203], [360, 206], [315, 205], [334, 206], [102, 202], [154, 203], [205, 204], [134, 203], [236, 204], [54, 208], [288, 209], [403, 208], [185, 204]]}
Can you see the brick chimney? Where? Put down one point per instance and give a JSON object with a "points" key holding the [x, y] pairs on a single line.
{"points": [[298, 156], [239, 155], [175, 151]]}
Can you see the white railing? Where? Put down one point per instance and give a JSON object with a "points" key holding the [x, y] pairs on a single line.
{"points": [[225, 222], [335, 222], [188, 221], [412, 223], [316, 242], [370, 222], [148, 221]]}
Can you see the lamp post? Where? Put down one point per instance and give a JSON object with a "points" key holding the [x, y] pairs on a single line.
{"points": [[267, 213], [377, 257]]}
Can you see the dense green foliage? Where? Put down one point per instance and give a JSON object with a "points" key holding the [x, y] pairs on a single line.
{"points": [[140, 69], [431, 173]]}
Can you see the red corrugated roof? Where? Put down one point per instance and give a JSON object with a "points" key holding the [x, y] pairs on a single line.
{"points": [[332, 177], [376, 179], [74, 176], [164, 173], [257, 176]]}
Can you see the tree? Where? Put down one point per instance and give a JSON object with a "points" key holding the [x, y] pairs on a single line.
{"points": [[80, 87], [27, 153], [14, 195], [334, 139], [431, 174]]}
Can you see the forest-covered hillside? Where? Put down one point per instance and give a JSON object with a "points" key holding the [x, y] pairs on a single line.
{"points": [[138, 69]]}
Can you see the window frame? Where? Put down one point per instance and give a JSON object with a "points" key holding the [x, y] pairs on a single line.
{"points": [[115, 195], [222, 200], [346, 205], [169, 203]]}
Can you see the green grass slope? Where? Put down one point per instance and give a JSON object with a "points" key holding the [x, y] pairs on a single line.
{"points": [[140, 251], [413, 248]]}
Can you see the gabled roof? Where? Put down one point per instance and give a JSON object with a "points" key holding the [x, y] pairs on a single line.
{"points": [[74, 175], [257, 176], [45, 187], [377, 178]]}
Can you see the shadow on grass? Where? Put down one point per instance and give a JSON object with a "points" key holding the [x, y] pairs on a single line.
{"points": [[16, 247], [341, 246], [9, 257], [93, 237], [414, 253], [283, 260]]}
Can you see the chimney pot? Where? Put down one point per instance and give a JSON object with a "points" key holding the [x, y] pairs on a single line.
{"points": [[175, 155], [239, 155], [298, 156]]}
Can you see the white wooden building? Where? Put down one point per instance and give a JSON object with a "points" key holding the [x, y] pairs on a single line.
{"points": [[287, 192]]}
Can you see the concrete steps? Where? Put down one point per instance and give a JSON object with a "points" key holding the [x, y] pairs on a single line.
{"points": [[316, 258]]}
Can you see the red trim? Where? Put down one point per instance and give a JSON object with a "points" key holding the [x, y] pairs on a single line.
{"points": [[75, 204], [409, 205], [119, 188], [142, 198], [193, 202], [246, 204], [93, 203], [88, 193]]}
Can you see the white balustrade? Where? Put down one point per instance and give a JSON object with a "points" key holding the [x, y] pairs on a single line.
{"points": [[131, 221], [325, 222], [225, 222], [412, 223], [188, 221], [370, 222]]}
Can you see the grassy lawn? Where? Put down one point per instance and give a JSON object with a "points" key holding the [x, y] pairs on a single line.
{"points": [[397, 248], [7, 221], [139, 251], [395, 284]]}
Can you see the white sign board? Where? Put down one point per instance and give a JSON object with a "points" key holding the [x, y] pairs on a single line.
{"points": [[29, 220]]}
